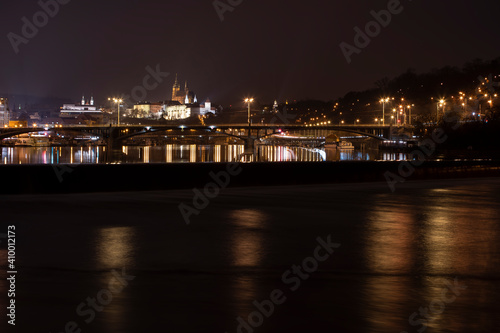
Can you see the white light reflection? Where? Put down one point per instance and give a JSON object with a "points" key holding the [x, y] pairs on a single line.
{"points": [[115, 247]]}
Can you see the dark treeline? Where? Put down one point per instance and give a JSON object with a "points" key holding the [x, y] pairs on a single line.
{"points": [[420, 91]]}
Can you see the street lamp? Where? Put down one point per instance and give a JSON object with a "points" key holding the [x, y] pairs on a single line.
{"points": [[117, 101], [249, 101], [383, 101]]}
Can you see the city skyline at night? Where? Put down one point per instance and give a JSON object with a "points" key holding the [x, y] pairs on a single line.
{"points": [[249, 166], [291, 53]]}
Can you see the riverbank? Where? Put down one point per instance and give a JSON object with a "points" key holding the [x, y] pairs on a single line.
{"points": [[67, 178]]}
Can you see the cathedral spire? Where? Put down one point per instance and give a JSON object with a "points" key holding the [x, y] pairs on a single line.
{"points": [[176, 83]]}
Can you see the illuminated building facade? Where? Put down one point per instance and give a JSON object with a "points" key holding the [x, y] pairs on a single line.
{"points": [[147, 110], [183, 105], [174, 110], [4, 112], [84, 108]]}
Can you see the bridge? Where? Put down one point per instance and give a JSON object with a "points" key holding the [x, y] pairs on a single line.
{"points": [[114, 136], [123, 132]]}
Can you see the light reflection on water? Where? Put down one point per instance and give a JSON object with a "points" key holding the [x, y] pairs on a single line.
{"points": [[185, 154], [247, 251], [415, 248], [398, 251], [115, 247], [390, 231], [247, 239]]}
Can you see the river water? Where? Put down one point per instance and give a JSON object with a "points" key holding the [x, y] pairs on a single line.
{"points": [[185, 153], [424, 258]]}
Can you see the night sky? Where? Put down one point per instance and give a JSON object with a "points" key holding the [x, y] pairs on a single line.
{"points": [[264, 49]]}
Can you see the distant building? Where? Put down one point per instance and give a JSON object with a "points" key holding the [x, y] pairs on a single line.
{"points": [[147, 110], [183, 105], [84, 108], [202, 109], [182, 96], [174, 110], [4, 112], [18, 123]]}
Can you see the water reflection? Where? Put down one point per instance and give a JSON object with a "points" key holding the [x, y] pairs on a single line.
{"points": [[390, 230], [247, 237], [413, 249], [185, 153], [451, 242], [385, 298], [115, 252], [115, 247], [247, 251], [333, 154]]}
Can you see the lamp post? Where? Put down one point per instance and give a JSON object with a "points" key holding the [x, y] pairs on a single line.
{"points": [[249, 101], [383, 101], [117, 101], [440, 103]]}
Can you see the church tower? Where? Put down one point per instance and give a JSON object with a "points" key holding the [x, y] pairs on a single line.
{"points": [[186, 92], [176, 89]]}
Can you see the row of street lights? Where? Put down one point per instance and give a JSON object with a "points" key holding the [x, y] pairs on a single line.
{"points": [[401, 111], [118, 102]]}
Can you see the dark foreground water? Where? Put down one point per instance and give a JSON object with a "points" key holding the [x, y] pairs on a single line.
{"points": [[428, 254]]}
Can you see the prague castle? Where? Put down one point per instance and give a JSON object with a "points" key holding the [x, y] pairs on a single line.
{"points": [[182, 96], [182, 105]]}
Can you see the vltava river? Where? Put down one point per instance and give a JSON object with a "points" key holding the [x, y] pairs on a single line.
{"points": [[425, 258], [184, 153]]}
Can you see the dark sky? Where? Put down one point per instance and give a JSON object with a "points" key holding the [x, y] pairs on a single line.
{"points": [[265, 49]]}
